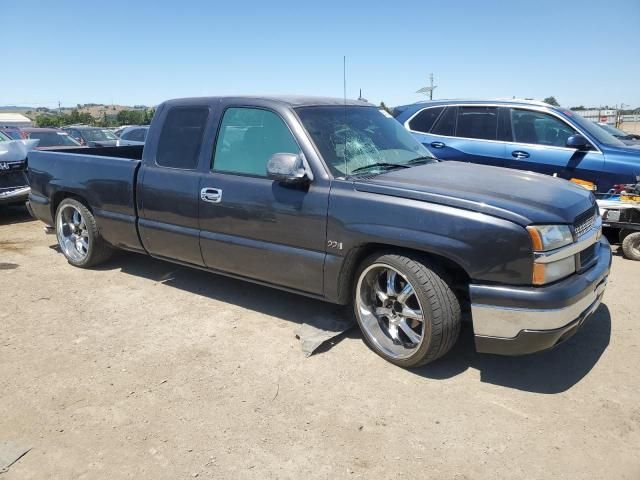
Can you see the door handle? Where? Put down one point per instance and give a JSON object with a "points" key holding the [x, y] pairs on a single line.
{"points": [[438, 145], [211, 195], [519, 154]]}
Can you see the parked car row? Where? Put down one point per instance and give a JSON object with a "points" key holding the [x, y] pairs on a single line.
{"points": [[14, 187], [334, 200]]}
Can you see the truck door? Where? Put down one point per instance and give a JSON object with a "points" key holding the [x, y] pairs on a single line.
{"points": [[539, 145], [253, 226], [168, 185]]}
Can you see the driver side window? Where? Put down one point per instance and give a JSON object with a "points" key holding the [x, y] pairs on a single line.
{"points": [[539, 128], [247, 139]]}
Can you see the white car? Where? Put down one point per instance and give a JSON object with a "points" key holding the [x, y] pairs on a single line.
{"points": [[133, 136]]}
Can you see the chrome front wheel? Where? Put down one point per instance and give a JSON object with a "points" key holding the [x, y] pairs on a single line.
{"points": [[389, 311], [406, 308]]}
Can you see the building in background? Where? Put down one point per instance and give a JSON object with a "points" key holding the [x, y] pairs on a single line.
{"points": [[629, 123], [608, 116], [14, 120]]}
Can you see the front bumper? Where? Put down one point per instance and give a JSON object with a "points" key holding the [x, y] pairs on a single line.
{"points": [[17, 195], [520, 320]]}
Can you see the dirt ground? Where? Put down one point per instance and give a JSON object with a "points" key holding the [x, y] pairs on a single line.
{"points": [[143, 369]]}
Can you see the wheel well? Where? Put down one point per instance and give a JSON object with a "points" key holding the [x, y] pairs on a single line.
{"points": [[459, 279], [58, 197]]}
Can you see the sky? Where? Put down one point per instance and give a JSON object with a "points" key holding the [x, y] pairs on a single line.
{"points": [[143, 52]]}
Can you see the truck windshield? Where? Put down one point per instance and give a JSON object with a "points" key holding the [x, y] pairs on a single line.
{"points": [[354, 139]]}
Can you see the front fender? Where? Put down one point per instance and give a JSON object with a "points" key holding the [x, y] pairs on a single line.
{"points": [[487, 248]]}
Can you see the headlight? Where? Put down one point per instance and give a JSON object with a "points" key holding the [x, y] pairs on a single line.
{"points": [[549, 237], [544, 273]]}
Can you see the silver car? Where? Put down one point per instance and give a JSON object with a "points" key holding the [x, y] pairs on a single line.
{"points": [[133, 136]]}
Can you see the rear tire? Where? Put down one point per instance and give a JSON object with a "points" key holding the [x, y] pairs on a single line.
{"points": [[407, 311], [631, 246], [78, 235]]}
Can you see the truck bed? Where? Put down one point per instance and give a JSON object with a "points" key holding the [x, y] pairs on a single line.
{"points": [[131, 152], [105, 177]]}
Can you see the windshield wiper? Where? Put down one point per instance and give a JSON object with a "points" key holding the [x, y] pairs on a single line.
{"points": [[424, 159], [382, 165]]}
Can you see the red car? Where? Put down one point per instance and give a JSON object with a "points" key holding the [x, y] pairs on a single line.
{"points": [[50, 138]]}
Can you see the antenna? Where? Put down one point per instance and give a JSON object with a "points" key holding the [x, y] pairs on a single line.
{"points": [[344, 92], [428, 90], [344, 78]]}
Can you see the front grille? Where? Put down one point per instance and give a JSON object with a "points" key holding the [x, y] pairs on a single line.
{"points": [[13, 180], [584, 222]]}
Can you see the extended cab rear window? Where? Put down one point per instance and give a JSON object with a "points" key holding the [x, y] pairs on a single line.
{"points": [[181, 137]]}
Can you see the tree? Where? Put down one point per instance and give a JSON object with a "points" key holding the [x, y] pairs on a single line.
{"points": [[148, 115], [130, 117], [48, 121], [551, 101]]}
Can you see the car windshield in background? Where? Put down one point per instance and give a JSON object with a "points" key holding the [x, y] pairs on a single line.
{"points": [[13, 134], [354, 139], [97, 134], [616, 132], [595, 130], [53, 139]]}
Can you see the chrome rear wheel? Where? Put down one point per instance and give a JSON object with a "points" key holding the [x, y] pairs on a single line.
{"points": [[72, 232]]}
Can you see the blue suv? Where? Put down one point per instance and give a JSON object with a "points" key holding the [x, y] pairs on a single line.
{"points": [[525, 135]]}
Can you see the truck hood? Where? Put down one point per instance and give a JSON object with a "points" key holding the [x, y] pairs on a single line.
{"points": [[518, 196]]}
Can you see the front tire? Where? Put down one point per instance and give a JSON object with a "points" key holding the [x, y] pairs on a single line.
{"points": [[78, 235], [406, 310]]}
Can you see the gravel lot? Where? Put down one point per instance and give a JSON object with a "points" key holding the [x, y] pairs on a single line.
{"points": [[143, 369]]}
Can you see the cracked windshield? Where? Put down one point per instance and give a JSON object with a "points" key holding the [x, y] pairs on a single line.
{"points": [[356, 140]]}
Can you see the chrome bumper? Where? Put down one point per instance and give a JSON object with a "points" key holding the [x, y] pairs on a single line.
{"points": [[524, 320], [508, 322], [15, 195]]}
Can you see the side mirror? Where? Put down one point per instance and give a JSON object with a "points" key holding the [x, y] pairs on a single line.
{"points": [[288, 168], [578, 142]]}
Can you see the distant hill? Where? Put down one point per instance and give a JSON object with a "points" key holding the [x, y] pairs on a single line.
{"points": [[96, 110], [13, 108]]}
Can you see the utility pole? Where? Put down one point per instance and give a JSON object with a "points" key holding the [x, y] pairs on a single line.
{"points": [[59, 108], [428, 90], [619, 115]]}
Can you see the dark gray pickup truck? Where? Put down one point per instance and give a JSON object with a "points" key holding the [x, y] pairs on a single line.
{"points": [[335, 200]]}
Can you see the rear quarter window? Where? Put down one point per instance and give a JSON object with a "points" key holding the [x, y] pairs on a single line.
{"points": [[446, 124], [424, 120], [181, 137]]}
